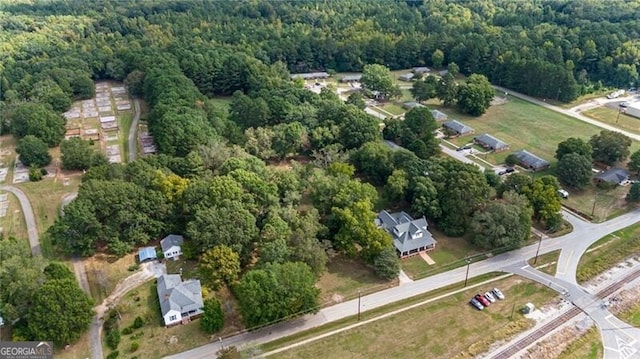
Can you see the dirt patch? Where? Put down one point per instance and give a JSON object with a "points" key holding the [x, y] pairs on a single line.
{"points": [[497, 101]]}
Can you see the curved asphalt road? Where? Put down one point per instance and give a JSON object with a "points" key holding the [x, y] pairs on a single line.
{"points": [[27, 210]]}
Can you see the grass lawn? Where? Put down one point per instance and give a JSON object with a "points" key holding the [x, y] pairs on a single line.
{"points": [[632, 315], [588, 346], [189, 268], [451, 320], [608, 251], [346, 277], [13, 223], [522, 125], [222, 102], [77, 350], [449, 253], [394, 109], [124, 123], [610, 116], [547, 262], [105, 271], [609, 202]]}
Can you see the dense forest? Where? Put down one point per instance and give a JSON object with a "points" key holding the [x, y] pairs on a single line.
{"points": [[265, 226]]}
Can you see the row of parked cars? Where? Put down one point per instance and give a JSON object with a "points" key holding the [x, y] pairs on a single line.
{"points": [[480, 301]]}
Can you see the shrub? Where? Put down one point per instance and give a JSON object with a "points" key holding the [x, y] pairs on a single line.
{"points": [[213, 318], [134, 346], [113, 355], [127, 330], [113, 338], [138, 323], [34, 174], [134, 267]]}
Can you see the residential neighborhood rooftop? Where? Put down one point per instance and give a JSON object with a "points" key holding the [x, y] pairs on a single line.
{"points": [[183, 297], [171, 240], [409, 235], [613, 175], [530, 160], [457, 126], [490, 141], [147, 253], [439, 115]]}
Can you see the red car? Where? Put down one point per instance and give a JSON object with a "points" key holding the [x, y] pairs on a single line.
{"points": [[480, 298]]}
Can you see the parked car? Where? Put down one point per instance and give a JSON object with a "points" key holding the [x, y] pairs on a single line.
{"points": [[490, 297], [507, 170], [498, 293], [563, 193], [482, 300], [624, 104], [476, 304], [467, 147]]}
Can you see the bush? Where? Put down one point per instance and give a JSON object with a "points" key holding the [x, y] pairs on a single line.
{"points": [[113, 355], [113, 338], [127, 331], [138, 323], [134, 346], [213, 318], [34, 174], [134, 267]]}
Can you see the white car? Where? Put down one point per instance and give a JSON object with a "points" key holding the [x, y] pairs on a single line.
{"points": [[498, 293], [490, 297]]}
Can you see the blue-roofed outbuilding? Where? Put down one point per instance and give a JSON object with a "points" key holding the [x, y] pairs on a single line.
{"points": [[147, 254]]}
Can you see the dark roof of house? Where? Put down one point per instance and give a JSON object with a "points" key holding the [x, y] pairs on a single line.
{"points": [[407, 76], [147, 253], [614, 175], [412, 104], [420, 70], [311, 75], [491, 141], [439, 115], [351, 78], [174, 294], [405, 230], [457, 126], [171, 240], [529, 159]]}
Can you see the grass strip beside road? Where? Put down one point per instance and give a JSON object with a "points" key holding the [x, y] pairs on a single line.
{"points": [[410, 332], [587, 346], [608, 251], [546, 263]]}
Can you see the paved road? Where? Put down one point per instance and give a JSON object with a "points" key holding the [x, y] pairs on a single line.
{"points": [[27, 210], [569, 112], [133, 131]]}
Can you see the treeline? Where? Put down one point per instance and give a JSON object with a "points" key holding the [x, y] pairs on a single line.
{"points": [[550, 49]]}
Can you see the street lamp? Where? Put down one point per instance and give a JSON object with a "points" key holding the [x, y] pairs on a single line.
{"points": [[538, 250], [466, 277]]}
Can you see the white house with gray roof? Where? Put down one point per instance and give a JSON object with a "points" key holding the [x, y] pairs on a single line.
{"points": [[172, 246], [410, 236], [439, 115], [179, 301], [491, 143], [457, 128]]}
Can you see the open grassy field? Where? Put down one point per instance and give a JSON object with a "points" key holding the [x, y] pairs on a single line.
{"points": [[105, 271], [522, 125], [608, 202], [440, 329], [77, 350], [632, 315], [13, 223], [608, 251], [346, 277], [610, 116]]}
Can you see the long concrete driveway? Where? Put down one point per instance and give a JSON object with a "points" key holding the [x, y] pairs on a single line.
{"points": [[30, 219]]}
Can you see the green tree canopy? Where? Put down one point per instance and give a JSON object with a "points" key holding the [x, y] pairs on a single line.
{"points": [[475, 95], [574, 170], [610, 147], [276, 292], [30, 118], [213, 318], [77, 154], [33, 151], [377, 78], [502, 224], [573, 145], [219, 265]]}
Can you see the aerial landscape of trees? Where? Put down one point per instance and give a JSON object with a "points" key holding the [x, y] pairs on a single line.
{"points": [[258, 223]]}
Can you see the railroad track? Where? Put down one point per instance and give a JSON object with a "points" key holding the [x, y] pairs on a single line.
{"points": [[511, 350]]}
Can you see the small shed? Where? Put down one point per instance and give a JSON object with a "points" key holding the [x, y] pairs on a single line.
{"points": [[457, 128], [530, 161], [147, 254], [406, 77]]}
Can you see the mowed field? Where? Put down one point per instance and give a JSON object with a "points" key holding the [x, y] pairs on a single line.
{"points": [[523, 125], [441, 329]]}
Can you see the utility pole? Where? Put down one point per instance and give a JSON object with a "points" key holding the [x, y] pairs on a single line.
{"points": [[466, 277], [595, 200], [538, 250]]}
